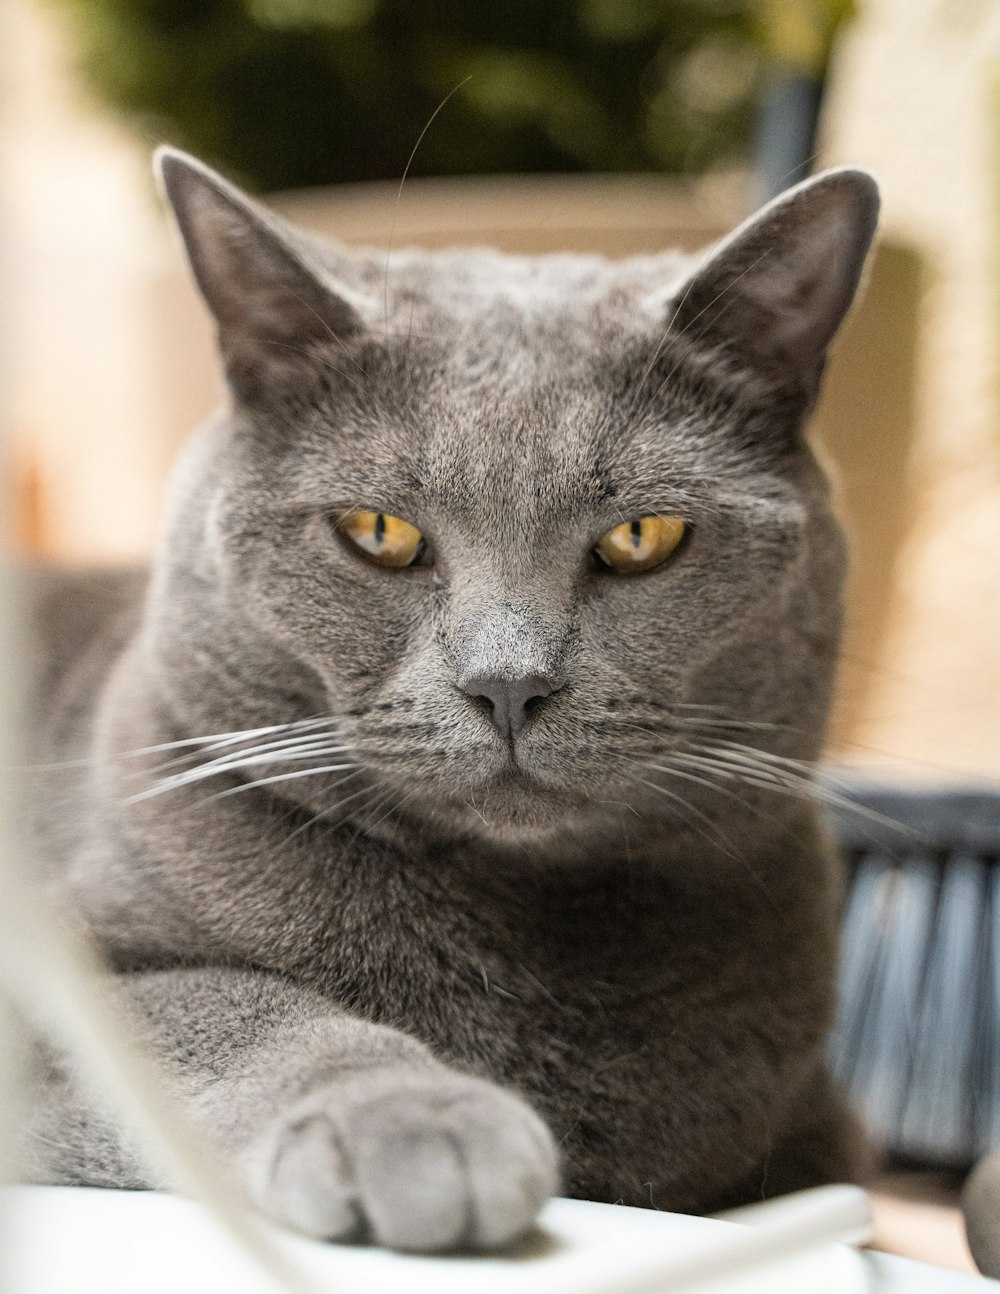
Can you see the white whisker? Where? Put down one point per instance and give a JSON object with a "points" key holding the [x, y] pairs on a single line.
{"points": [[282, 777], [767, 756], [372, 808], [306, 742], [203, 771], [673, 770], [193, 775], [712, 722], [394, 808], [323, 814], [221, 738], [781, 774], [209, 742], [679, 800], [720, 842]]}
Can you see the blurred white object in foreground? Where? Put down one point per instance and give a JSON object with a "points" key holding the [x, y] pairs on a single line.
{"points": [[77, 1241]]}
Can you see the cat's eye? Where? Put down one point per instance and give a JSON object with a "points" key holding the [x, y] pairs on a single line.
{"points": [[384, 539], [639, 545]]}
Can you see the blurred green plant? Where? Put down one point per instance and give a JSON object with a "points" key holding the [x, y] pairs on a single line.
{"points": [[799, 34], [284, 93]]}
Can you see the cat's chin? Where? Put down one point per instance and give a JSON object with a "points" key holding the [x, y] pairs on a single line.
{"points": [[512, 808]]}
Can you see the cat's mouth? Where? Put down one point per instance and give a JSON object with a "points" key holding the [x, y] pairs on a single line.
{"points": [[491, 787], [515, 800], [516, 774]]}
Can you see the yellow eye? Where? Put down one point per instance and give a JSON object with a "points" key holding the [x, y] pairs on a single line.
{"points": [[385, 540], [640, 545]]}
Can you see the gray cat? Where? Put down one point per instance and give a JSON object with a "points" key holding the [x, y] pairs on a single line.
{"points": [[469, 852]]}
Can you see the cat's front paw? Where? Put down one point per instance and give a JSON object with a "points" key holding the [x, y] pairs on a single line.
{"points": [[417, 1161]]}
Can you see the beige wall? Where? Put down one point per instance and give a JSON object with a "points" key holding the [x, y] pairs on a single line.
{"points": [[912, 102], [111, 361], [81, 236]]}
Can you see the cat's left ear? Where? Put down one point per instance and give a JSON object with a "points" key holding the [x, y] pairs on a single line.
{"points": [[779, 286], [270, 302]]}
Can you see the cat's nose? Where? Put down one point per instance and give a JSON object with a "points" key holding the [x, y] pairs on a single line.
{"points": [[511, 700]]}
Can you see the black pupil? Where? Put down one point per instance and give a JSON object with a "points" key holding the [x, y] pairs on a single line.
{"points": [[636, 533], [379, 528]]}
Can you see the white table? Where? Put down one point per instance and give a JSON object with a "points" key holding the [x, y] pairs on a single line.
{"points": [[81, 1241]]}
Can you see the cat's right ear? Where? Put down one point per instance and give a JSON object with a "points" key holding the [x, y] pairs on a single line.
{"points": [[270, 304], [778, 288]]}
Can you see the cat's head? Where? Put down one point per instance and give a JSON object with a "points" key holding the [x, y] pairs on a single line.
{"points": [[542, 534]]}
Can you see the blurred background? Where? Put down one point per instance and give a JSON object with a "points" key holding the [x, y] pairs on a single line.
{"points": [[616, 125]]}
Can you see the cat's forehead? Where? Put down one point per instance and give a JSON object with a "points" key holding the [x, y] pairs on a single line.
{"points": [[495, 383], [532, 429], [466, 284]]}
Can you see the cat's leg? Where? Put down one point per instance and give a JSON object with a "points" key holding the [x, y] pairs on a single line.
{"points": [[340, 1128]]}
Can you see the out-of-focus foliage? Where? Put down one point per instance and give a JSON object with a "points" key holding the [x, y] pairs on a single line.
{"points": [[296, 92], [799, 33]]}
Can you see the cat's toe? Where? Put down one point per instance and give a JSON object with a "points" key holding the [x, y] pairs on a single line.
{"points": [[450, 1164], [414, 1160], [304, 1181]]}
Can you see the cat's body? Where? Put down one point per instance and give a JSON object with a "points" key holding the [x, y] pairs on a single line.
{"points": [[601, 902], [586, 986]]}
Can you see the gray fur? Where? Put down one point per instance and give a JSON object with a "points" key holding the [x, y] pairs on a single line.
{"points": [[981, 1207], [370, 1006]]}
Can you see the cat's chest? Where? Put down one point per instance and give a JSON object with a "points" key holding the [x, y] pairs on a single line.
{"points": [[555, 1005]]}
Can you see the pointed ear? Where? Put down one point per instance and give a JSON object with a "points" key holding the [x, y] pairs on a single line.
{"points": [[780, 285], [269, 303]]}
